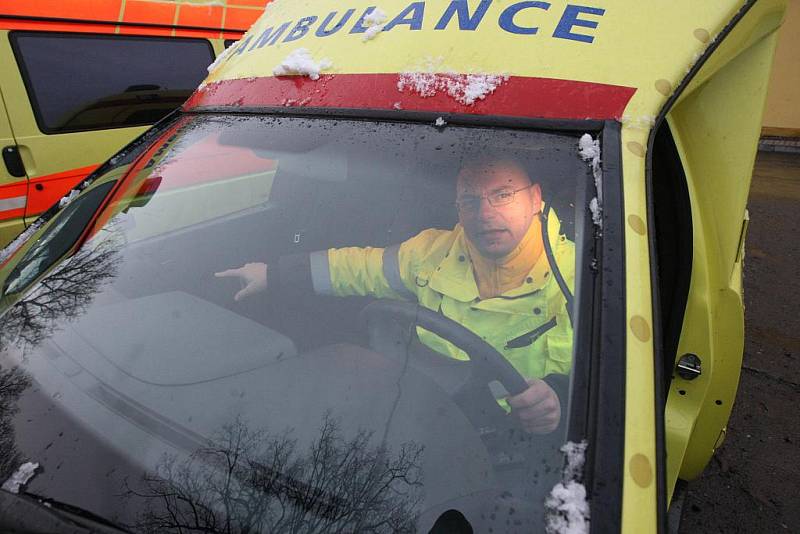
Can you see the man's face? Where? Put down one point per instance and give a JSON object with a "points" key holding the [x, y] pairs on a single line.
{"points": [[495, 230]]}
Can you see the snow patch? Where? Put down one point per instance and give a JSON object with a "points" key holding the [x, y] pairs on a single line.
{"points": [[374, 23], [300, 63], [440, 122], [222, 57], [567, 507], [465, 88], [643, 122], [589, 150], [20, 477], [69, 197]]}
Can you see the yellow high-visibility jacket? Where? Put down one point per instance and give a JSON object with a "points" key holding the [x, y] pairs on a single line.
{"points": [[529, 325]]}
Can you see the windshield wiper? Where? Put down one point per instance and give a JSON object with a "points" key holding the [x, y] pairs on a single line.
{"points": [[27, 513]]}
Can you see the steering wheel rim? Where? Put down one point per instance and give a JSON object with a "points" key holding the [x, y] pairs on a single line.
{"points": [[486, 360]]}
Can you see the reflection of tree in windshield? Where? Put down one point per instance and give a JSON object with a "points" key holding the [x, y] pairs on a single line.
{"points": [[64, 293], [13, 382], [251, 481]]}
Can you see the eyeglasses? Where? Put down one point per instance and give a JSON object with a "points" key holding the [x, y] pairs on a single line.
{"points": [[502, 197]]}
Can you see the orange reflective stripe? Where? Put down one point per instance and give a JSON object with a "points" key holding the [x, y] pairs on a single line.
{"points": [[241, 18], [54, 26], [87, 15], [106, 10], [200, 16], [251, 3], [149, 12]]}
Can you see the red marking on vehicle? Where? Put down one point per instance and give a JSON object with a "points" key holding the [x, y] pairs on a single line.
{"points": [[46, 190], [515, 97]]}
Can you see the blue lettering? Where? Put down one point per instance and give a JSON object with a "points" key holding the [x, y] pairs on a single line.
{"points": [[507, 17], [465, 20], [242, 46], [300, 29], [359, 26], [322, 31], [412, 15], [268, 37], [570, 19]]}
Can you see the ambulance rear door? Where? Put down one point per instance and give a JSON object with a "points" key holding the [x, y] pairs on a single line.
{"points": [[13, 181]]}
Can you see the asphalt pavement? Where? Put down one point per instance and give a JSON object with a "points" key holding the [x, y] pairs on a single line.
{"points": [[753, 482]]}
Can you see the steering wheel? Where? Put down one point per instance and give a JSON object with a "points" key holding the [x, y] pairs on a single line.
{"points": [[487, 363]]}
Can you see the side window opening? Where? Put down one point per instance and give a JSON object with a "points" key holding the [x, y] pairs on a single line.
{"points": [[673, 237], [79, 82]]}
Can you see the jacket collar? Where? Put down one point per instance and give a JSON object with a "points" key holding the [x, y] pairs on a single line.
{"points": [[454, 278]]}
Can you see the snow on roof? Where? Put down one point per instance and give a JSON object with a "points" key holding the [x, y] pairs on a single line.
{"points": [[374, 22], [465, 88], [222, 57], [301, 63]]}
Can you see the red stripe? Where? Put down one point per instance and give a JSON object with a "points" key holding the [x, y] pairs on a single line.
{"points": [[46, 190], [517, 96]]}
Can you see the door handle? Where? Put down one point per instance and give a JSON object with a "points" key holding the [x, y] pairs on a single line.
{"points": [[13, 161]]}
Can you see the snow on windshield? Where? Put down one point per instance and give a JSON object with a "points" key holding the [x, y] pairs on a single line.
{"points": [[567, 507], [589, 150], [20, 477], [301, 63]]}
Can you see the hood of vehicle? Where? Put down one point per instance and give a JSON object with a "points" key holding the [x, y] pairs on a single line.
{"points": [[141, 337]]}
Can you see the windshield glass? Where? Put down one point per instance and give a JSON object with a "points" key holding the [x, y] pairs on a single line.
{"points": [[315, 325]]}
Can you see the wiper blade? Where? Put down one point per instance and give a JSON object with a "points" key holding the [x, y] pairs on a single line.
{"points": [[26, 513]]}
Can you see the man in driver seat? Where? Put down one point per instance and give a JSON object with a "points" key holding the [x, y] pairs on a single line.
{"points": [[490, 273]]}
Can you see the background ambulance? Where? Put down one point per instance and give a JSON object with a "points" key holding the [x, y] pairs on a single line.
{"points": [[313, 407], [82, 78]]}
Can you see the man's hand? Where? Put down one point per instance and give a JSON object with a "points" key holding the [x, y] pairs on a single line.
{"points": [[253, 277], [537, 408]]}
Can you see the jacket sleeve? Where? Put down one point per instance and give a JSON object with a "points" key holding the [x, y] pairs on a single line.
{"points": [[358, 271], [380, 272]]}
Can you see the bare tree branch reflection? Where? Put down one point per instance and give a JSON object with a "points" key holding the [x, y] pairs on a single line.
{"points": [[13, 382], [64, 293], [246, 482]]}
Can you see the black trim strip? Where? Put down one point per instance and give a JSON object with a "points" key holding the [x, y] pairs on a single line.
{"points": [[606, 421], [529, 338], [658, 354], [569, 126]]}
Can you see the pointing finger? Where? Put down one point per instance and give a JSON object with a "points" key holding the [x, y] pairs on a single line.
{"points": [[228, 273]]}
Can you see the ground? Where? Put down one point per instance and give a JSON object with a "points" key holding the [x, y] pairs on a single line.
{"points": [[752, 483]]}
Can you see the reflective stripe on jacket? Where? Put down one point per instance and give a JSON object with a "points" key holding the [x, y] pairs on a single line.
{"points": [[529, 325]]}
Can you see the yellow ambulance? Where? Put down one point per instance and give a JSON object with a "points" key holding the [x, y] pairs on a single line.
{"points": [[79, 82], [456, 266]]}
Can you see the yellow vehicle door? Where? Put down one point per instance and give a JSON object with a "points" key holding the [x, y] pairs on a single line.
{"points": [[13, 181], [73, 99]]}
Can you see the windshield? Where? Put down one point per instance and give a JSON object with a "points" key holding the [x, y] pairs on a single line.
{"points": [[302, 324]]}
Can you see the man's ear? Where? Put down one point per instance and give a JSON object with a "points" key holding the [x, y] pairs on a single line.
{"points": [[536, 197]]}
